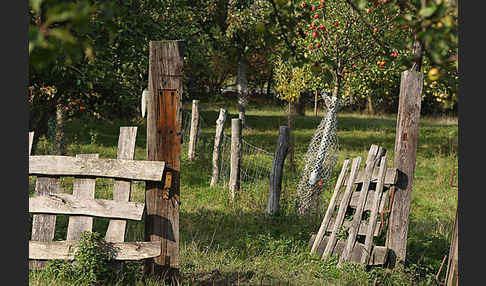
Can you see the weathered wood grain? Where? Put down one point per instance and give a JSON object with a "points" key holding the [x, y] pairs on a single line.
{"points": [[164, 118], [276, 172], [353, 228], [83, 188], [376, 199], [121, 189], [390, 177], [66, 250], [111, 168], [342, 209], [405, 153], [43, 225], [31, 140], [355, 199], [330, 209], [218, 141], [193, 133], [71, 205], [235, 163], [379, 254]]}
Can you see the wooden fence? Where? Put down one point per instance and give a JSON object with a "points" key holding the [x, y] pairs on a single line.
{"points": [[82, 206]]}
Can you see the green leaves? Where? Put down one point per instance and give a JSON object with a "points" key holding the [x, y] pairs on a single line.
{"points": [[428, 11]]}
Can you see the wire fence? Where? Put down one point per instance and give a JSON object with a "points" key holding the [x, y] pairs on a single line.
{"points": [[256, 162]]}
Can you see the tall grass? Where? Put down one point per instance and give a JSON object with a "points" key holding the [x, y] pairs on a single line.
{"points": [[234, 243]]}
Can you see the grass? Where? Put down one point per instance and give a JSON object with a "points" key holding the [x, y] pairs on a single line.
{"points": [[224, 243]]}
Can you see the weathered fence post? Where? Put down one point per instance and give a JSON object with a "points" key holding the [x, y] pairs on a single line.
{"points": [[234, 180], [452, 273], [276, 172], [218, 140], [164, 110], [193, 135], [406, 140]]}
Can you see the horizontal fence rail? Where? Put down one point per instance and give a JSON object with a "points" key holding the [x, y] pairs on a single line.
{"points": [[109, 168]]}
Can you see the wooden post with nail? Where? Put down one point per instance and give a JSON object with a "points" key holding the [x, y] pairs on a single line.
{"points": [[164, 118]]}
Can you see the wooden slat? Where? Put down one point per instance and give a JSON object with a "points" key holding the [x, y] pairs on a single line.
{"points": [[390, 178], [121, 189], [347, 223], [354, 227], [355, 199], [378, 254], [376, 199], [70, 205], [330, 208], [111, 168], [83, 188], [66, 250], [31, 140], [43, 225], [342, 209]]}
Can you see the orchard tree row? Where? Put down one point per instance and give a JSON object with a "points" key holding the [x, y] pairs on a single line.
{"points": [[91, 57]]}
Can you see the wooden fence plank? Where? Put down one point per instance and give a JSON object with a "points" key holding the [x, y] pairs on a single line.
{"points": [[330, 208], [353, 203], [342, 209], [363, 227], [376, 199], [353, 229], [390, 177], [31, 140], [111, 168], [378, 254], [70, 205], [83, 188], [43, 225], [66, 250], [121, 189]]}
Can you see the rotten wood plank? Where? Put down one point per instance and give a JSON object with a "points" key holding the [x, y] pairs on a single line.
{"points": [[83, 188], [119, 250], [379, 254], [342, 209], [71, 205], [122, 188], [330, 209], [111, 168]]}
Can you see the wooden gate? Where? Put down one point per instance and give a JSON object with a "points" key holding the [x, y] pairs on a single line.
{"points": [[82, 206]]}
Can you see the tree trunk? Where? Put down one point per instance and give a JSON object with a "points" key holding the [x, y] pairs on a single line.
{"points": [[59, 147], [299, 107], [242, 89], [369, 105], [291, 125]]}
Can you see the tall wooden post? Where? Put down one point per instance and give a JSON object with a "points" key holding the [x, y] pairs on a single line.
{"points": [[234, 180], [193, 135], [164, 110], [406, 141]]}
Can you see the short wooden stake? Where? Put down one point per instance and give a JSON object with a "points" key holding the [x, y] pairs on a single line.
{"points": [[193, 135], [234, 181], [283, 146], [218, 141]]}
